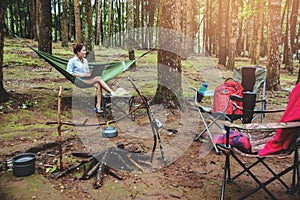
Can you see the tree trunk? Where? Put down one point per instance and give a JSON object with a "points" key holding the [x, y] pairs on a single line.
{"points": [[130, 30], [17, 18], [274, 41], [65, 24], [45, 37], [38, 17], [110, 20], [169, 88], [118, 5], [143, 17], [240, 39], [293, 24], [189, 28], [78, 34], [137, 20], [233, 30], [287, 54], [206, 35], [55, 21], [33, 12], [257, 34], [71, 27], [87, 27], [222, 32], [59, 19], [152, 7], [11, 18], [98, 21], [3, 93], [253, 31]]}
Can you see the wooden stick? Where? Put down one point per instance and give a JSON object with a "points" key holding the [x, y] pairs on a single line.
{"points": [[71, 169], [135, 163], [91, 172], [59, 128], [114, 173]]}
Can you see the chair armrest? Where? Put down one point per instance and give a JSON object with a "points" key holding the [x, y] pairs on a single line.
{"points": [[261, 100], [235, 97], [263, 126], [268, 111], [194, 89]]}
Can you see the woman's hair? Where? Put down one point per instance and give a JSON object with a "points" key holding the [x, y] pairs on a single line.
{"points": [[77, 47]]}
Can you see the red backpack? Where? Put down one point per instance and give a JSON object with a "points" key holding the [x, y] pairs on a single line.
{"points": [[222, 94]]}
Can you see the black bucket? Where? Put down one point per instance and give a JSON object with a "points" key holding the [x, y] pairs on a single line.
{"points": [[23, 164]]}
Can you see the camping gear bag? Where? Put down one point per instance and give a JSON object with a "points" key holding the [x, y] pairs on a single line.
{"points": [[222, 94]]}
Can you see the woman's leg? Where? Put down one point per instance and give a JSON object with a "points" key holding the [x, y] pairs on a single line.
{"points": [[98, 94], [98, 80], [104, 85]]}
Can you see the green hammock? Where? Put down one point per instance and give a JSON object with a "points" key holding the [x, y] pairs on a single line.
{"points": [[60, 64]]}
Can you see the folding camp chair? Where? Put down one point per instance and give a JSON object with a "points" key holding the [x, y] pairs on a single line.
{"points": [[248, 102], [253, 80], [258, 134], [275, 140]]}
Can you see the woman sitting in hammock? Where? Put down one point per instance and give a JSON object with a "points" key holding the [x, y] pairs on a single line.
{"points": [[78, 66]]}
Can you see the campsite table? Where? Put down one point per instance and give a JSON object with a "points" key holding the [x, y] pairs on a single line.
{"points": [[119, 104]]}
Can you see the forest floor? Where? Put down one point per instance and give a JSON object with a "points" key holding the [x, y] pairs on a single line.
{"points": [[192, 171]]}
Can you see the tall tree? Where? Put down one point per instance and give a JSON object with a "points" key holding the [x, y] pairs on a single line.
{"points": [[233, 30], [151, 9], [98, 22], [78, 34], [45, 36], [130, 29], [33, 19], [110, 21], [38, 17], [222, 32], [119, 24], [240, 41], [293, 24], [169, 88], [88, 27], [65, 24], [55, 21], [274, 41], [287, 53], [3, 93], [188, 24], [259, 6]]}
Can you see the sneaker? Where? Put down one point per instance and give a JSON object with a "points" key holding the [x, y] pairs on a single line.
{"points": [[113, 93], [121, 92], [98, 110]]}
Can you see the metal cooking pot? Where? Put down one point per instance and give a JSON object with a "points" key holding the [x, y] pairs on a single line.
{"points": [[110, 132], [23, 164]]}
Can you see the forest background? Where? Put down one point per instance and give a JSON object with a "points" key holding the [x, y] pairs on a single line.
{"points": [[224, 29]]}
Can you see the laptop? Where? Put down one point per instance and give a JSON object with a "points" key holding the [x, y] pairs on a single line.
{"points": [[97, 70]]}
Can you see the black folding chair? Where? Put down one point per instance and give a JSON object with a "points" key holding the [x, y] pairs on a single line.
{"points": [[253, 80], [259, 134]]}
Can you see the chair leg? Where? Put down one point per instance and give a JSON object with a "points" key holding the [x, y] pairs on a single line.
{"points": [[226, 169], [208, 131], [296, 165], [214, 121], [261, 185]]}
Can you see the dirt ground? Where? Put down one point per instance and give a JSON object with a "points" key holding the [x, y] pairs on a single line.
{"points": [[193, 169]]}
